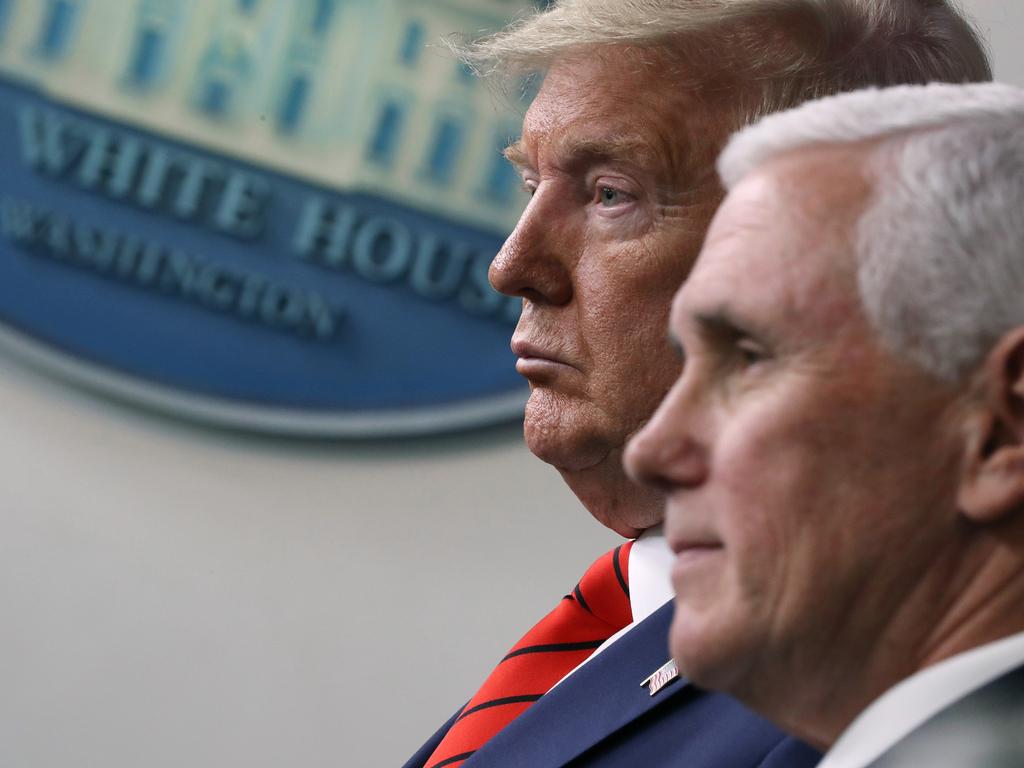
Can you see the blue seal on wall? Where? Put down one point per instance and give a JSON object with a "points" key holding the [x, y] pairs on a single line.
{"points": [[213, 241]]}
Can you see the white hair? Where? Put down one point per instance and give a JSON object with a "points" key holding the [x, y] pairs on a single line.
{"points": [[763, 55], [940, 246]]}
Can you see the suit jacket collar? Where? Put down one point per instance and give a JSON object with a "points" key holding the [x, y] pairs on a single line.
{"points": [[591, 704]]}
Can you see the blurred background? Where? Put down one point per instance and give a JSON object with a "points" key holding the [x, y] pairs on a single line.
{"points": [[204, 563]]}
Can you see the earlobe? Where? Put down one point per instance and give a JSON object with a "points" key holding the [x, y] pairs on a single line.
{"points": [[993, 489], [992, 485]]}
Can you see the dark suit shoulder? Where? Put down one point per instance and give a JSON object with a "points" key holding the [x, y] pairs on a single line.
{"points": [[602, 717], [791, 753], [698, 729]]}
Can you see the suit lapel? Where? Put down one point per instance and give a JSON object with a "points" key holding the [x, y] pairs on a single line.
{"points": [[593, 703]]}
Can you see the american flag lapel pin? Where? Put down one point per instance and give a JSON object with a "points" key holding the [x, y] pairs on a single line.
{"points": [[662, 677]]}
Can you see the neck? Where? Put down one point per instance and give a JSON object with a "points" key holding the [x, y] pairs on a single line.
{"points": [[988, 604], [960, 603]]}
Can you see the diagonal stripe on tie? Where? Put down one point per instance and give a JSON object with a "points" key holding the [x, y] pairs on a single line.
{"points": [[597, 608], [528, 699], [585, 645]]}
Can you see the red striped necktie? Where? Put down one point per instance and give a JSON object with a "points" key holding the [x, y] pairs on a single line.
{"points": [[597, 608]]}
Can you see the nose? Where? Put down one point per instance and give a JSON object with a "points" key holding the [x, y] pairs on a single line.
{"points": [[535, 261], [666, 454]]}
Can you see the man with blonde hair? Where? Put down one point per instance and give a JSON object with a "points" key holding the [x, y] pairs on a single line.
{"points": [[617, 152], [843, 453]]}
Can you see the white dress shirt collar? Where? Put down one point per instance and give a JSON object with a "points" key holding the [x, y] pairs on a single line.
{"points": [[650, 568], [911, 702], [650, 585]]}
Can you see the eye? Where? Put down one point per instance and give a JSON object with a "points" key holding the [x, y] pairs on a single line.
{"points": [[529, 186], [610, 196], [750, 352]]}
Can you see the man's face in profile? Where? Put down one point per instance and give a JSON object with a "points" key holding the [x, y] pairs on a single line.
{"points": [[618, 160], [800, 458]]}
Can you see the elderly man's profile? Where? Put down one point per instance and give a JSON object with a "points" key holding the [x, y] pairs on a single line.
{"points": [[617, 152], [843, 453]]}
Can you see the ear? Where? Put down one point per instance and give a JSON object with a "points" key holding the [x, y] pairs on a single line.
{"points": [[993, 483]]}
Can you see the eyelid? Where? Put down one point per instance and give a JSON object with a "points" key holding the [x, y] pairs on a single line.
{"points": [[614, 181], [752, 347], [528, 182], [617, 185]]}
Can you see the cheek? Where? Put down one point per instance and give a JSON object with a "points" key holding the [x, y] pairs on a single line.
{"points": [[769, 501], [640, 275], [799, 506], [755, 528], [624, 318]]}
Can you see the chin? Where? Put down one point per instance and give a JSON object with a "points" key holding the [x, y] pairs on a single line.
{"points": [[615, 502], [561, 431], [575, 438], [624, 529], [705, 653]]}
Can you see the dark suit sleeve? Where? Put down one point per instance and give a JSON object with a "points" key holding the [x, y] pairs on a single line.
{"points": [[790, 753]]}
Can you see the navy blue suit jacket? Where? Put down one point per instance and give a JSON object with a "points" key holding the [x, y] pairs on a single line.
{"points": [[600, 716]]}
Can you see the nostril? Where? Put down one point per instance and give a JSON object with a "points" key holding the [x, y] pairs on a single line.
{"points": [[540, 279], [532, 295], [561, 291]]}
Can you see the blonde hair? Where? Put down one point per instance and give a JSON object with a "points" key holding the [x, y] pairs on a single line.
{"points": [[789, 51]]}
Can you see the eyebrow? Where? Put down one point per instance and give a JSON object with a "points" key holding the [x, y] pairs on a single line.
{"points": [[574, 151], [717, 323], [721, 325], [712, 329], [711, 326], [516, 154]]}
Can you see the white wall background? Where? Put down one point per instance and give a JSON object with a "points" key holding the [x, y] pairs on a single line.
{"points": [[171, 596]]}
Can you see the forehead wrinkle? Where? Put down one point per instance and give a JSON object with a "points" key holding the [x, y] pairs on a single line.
{"points": [[567, 146], [613, 147], [792, 296], [568, 149], [705, 297], [667, 129]]}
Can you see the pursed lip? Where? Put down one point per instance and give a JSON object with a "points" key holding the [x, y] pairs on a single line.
{"points": [[681, 542], [536, 358], [679, 547], [691, 555]]}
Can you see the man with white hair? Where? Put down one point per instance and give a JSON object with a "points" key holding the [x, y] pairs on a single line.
{"points": [[843, 452], [617, 152]]}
